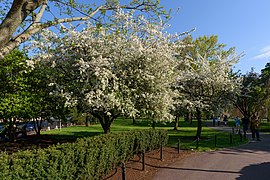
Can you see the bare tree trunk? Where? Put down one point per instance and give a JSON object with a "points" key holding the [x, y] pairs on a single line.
{"points": [[176, 123], [106, 124], [18, 12], [153, 124], [105, 120], [37, 125], [86, 121], [133, 120], [199, 119]]}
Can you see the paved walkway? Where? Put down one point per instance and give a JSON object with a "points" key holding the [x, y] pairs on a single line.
{"points": [[247, 162]]}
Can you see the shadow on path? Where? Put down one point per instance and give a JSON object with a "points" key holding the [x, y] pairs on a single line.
{"points": [[255, 171], [193, 169]]}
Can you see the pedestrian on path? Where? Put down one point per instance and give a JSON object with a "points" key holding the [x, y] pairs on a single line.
{"points": [[254, 127], [218, 121], [214, 121], [225, 120], [237, 125]]}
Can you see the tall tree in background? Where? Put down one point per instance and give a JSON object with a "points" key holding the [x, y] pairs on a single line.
{"points": [[21, 19], [265, 80], [251, 96]]}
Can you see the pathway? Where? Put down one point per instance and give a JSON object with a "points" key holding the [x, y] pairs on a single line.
{"points": [[250, 161]]}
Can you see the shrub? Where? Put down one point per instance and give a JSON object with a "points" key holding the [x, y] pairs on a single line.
{"points": [[87, 158]]}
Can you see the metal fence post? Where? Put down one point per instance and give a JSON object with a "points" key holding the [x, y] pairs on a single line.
{"points": [[215, 140], [241, 137], [143, 161], [123, 171], [178, 147], [161, 152]]}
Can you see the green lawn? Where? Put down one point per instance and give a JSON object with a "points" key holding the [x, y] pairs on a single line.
{"points": [[185, 133]]}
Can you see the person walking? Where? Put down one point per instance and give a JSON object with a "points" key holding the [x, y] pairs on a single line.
{"points": [[237, 125], [218, 121], [225, 120], [214, 121], [254, 127]]}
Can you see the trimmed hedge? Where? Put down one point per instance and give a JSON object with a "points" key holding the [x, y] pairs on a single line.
{"points": [[87, 158]]}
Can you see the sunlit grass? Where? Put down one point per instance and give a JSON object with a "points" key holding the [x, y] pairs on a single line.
{"points": [[186, 133]]}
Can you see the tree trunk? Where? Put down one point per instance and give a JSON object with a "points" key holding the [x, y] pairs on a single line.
{"points": [[18, 12], [106, 125], [176, 123], [153, 124], [133, 120], [199, 119], [86, 121], [186, 116], [11, 132], [37, 126]]}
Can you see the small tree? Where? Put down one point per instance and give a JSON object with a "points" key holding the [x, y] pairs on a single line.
{"points": [[15, 98]]}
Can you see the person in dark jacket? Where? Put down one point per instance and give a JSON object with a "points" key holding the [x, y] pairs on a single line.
{"points": [[254, 127]]}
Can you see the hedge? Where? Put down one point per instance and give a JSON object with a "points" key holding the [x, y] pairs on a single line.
{"points": [[87, 158]]}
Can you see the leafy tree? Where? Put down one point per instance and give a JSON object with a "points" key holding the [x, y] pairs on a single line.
{"points": [[126, 69], [251, 96], [205, 81], [265, 80], [21, 19], [14, 95]]}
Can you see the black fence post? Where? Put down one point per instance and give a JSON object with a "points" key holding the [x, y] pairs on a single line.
{"points": [[161, 152], [123, 171], [178, 147], [215, 140], [231, 141], [241, 137], [143, 161], [232, 130], [197, 143]]}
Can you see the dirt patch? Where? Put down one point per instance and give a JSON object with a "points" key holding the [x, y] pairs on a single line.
{"points": [[153, 163]]}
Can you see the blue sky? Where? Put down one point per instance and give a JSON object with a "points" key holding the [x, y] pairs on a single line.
{"points": [[244, 24]]}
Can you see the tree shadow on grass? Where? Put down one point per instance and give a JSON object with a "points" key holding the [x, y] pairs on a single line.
{"points": [[255, 171], [73, 135], [43, 141]]}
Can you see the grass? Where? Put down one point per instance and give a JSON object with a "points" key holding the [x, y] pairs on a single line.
{"points": [[186, 133]]}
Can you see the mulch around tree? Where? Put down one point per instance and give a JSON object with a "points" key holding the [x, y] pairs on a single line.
{"points": [[152, 164]]}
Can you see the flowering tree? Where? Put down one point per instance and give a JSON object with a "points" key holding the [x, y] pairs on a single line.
{"points": [[21, 19], [126, 69], [205, 80]]}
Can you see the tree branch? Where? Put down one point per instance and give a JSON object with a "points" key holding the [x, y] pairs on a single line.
{"points": [[36, 27]]}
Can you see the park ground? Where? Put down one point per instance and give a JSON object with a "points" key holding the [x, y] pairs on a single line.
{"points": [[172, 165], [248, 161]]}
